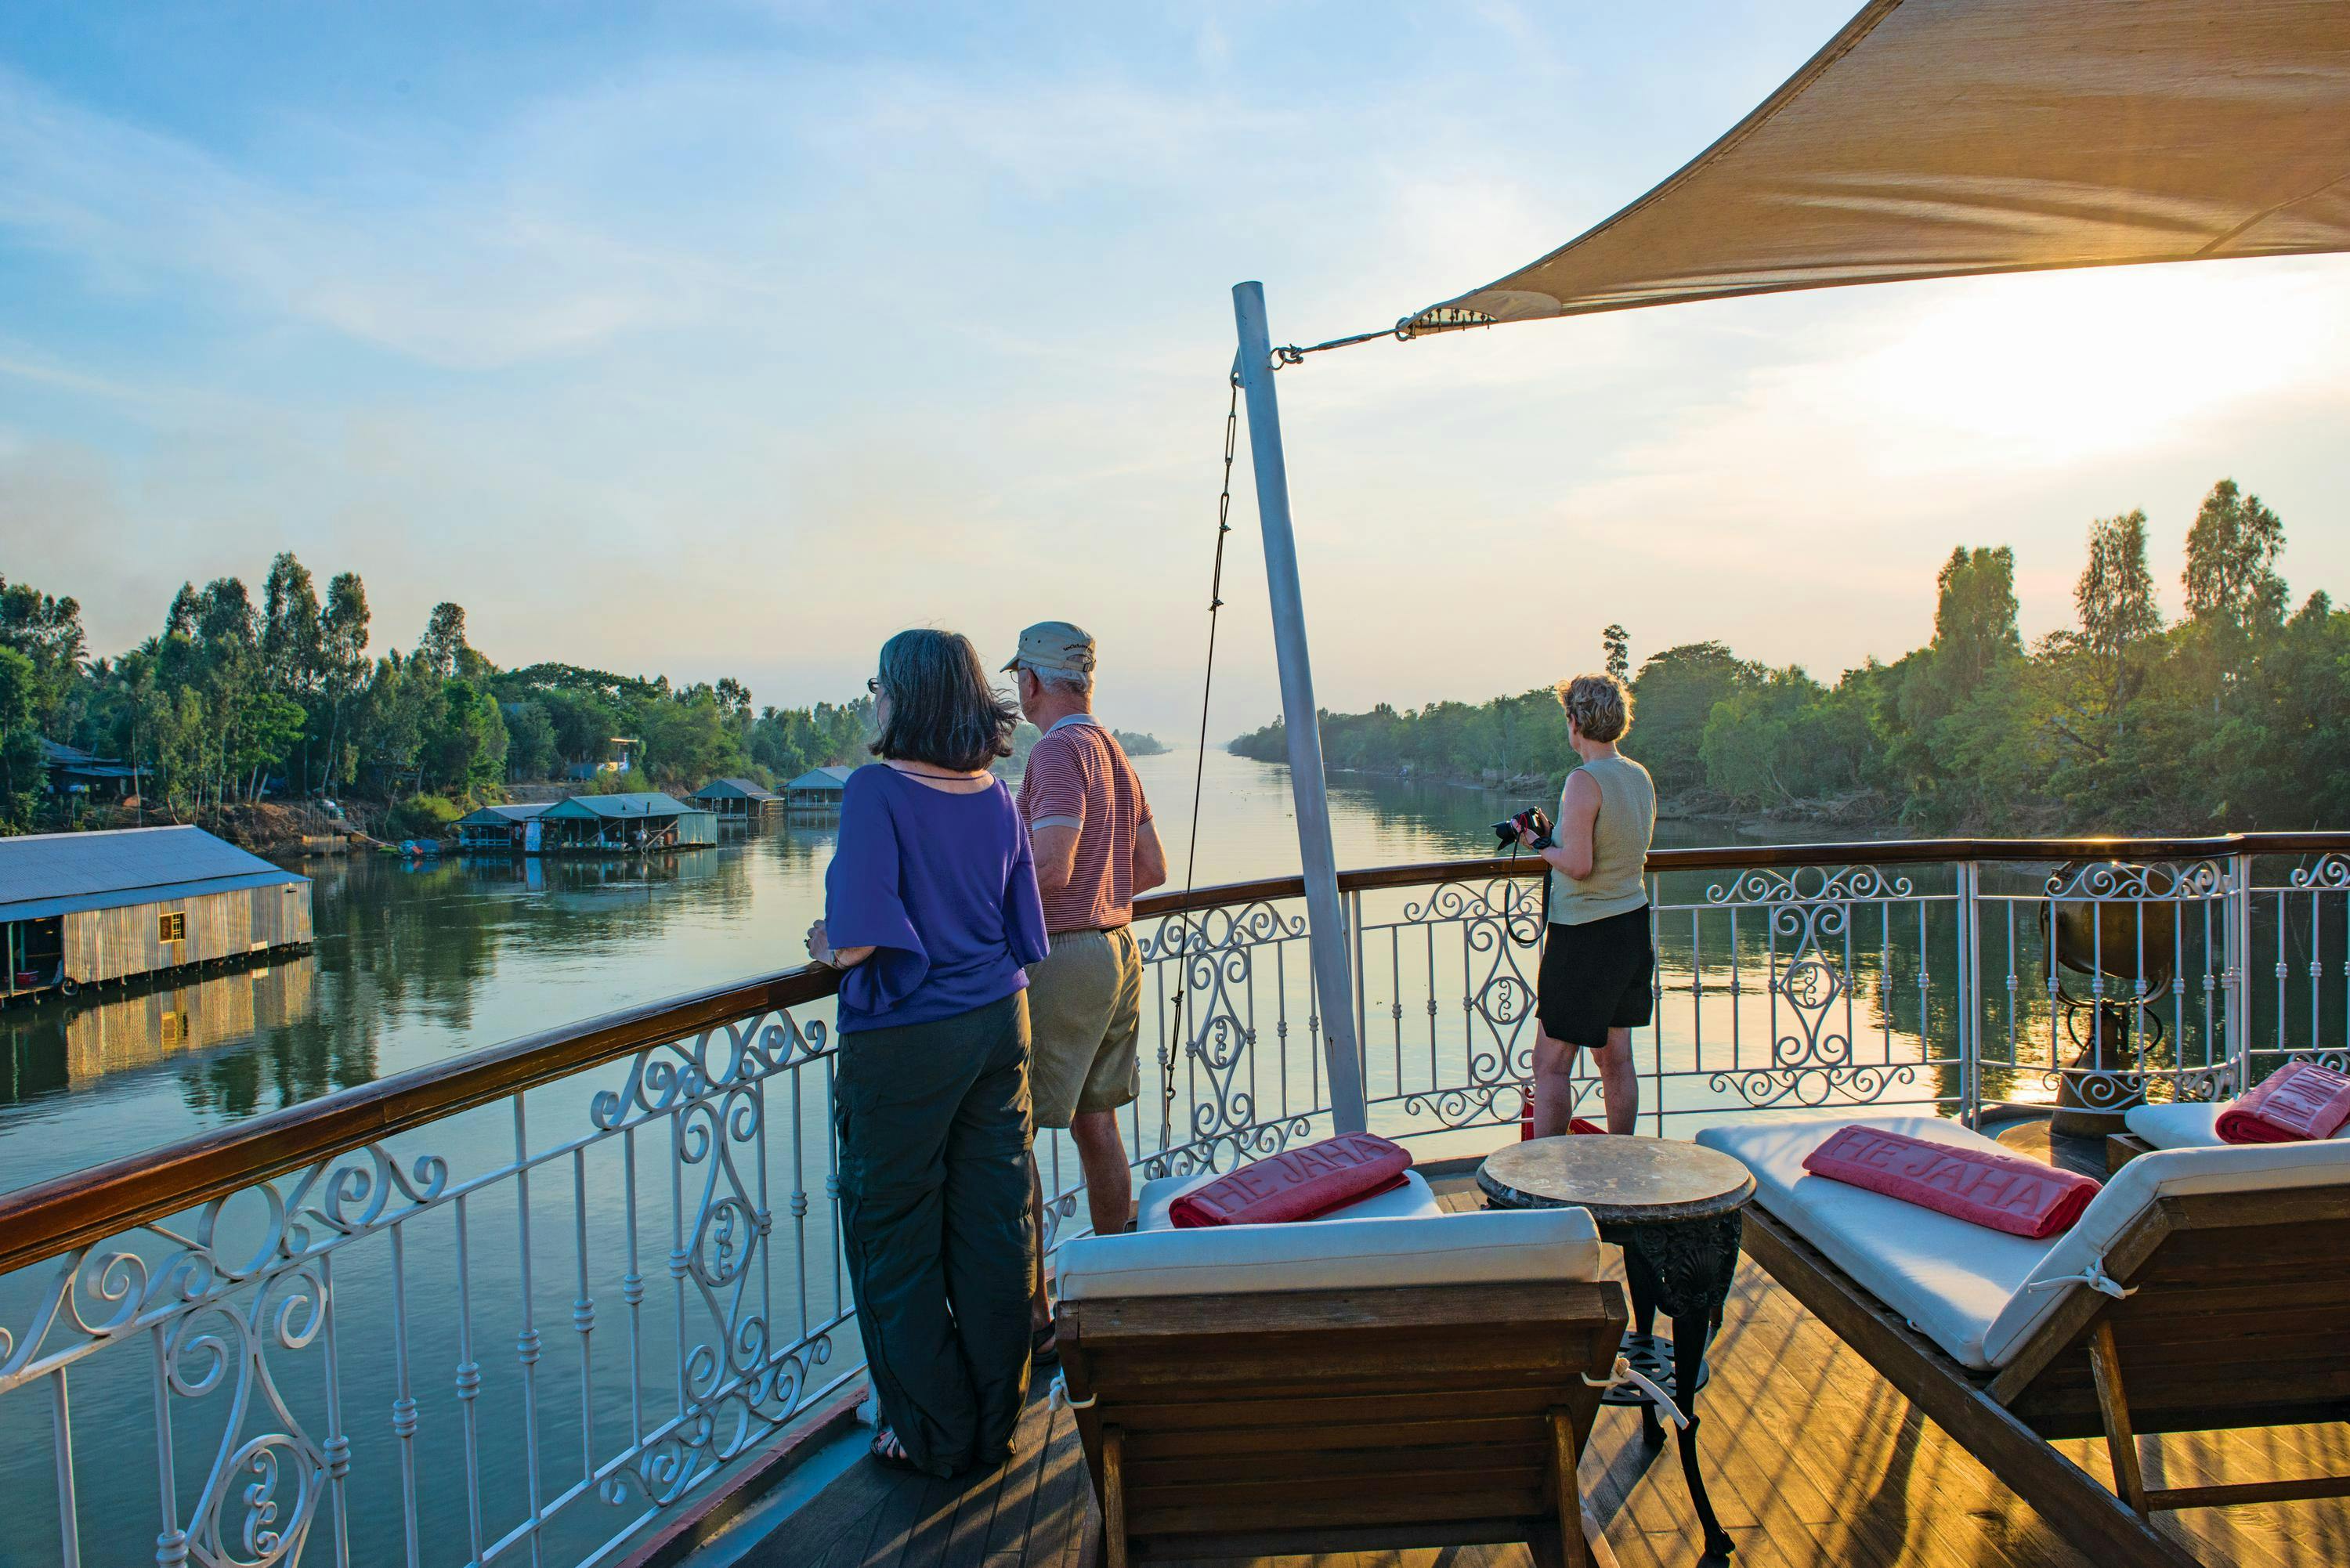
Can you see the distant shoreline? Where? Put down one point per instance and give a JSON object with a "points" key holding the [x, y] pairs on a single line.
{"points": [[1763, 826]]}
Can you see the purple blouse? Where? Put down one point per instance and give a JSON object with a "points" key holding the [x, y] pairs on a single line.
{"points": [[942, 887]]}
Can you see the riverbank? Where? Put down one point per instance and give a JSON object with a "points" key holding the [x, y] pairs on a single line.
{"points": [[272, 829], [1862, 815]]}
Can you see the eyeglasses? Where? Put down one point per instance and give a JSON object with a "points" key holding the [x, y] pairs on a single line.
{"points": [[873, 685]]}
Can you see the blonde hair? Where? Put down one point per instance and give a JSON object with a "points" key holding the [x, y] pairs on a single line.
{"points": [[1600, 706]]}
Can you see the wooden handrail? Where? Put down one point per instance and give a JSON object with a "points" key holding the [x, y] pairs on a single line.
{"points": [[84, 1206], [67, 1211]]}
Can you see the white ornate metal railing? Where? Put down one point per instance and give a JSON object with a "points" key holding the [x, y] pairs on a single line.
{"points": [[514, 1308], [516, 1330]]}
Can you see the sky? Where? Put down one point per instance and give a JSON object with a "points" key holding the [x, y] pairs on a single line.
{"points": [[730, 338]]}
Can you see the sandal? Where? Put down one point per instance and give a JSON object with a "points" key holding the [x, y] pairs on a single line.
{"points": [[1045, 1346], [889, 1453]]}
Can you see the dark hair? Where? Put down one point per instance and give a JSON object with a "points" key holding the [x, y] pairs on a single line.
{"points": [[942, 709]]}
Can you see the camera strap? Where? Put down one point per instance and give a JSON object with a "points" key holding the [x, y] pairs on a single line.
{"points": [[1543, 928]]}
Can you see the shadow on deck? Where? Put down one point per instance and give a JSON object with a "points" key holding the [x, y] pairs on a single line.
{"points": [[1812, 1460]]}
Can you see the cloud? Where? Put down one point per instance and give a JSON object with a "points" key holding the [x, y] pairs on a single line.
{"points": [[459, 271], [734, 359]]}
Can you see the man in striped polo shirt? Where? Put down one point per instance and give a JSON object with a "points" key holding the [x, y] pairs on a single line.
{"points": [[1095, 847]]}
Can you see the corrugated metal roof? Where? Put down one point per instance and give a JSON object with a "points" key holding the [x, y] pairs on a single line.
{"points": [[652, 803], [732, 789], [44, 874], [522, 811], [832, 778], [74, 760]]}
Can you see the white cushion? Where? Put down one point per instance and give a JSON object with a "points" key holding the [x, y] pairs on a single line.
{"points": [[1949, 1278], [2190, 1124], [1513, 1247], [1413, 1197], [2166, 1173]]}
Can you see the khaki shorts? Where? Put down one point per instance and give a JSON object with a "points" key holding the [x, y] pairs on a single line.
{"points": [[1084, 1016]]}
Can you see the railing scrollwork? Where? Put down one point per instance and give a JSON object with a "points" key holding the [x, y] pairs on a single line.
{"points": [[362, 1301]]}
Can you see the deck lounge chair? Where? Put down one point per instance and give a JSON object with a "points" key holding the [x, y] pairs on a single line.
{"points": [[1392, 1376], [2179, 1124], [2203, 1289]]}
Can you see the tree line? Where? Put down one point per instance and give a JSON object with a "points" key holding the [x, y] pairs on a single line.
{"points": [[2234, 716], [233, 700]]}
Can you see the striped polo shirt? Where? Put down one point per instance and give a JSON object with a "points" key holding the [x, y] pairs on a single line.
{"points": [[1078, 776]]}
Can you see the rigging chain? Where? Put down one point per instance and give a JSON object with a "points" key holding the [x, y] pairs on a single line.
{"points": [[1199, 776]]}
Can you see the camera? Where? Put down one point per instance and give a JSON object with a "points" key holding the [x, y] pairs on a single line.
{"points": [[1531, 820]]}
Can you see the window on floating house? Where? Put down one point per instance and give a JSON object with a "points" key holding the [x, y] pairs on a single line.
{"points": [[172, 928]]}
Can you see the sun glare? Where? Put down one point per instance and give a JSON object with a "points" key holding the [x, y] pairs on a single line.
{"points": [[2062, 366]]}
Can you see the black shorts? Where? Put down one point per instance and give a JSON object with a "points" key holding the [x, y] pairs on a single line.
{"points": [[1594, 978]]}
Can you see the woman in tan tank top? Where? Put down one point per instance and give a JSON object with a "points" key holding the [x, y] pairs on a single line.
{"points": [[1598, 966]]}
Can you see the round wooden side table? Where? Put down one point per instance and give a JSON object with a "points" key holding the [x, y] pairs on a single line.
{"points": [[1674, 1209]]}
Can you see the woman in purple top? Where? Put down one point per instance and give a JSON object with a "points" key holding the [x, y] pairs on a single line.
{"points": [[931, 914]]}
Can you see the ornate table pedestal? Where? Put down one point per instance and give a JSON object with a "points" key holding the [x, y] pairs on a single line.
{"points": [[1674, 1209]]}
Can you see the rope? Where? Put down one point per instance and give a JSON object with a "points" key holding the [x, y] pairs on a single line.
{"points": [[1060, 1394], [1199, 771], [2094, 1276]]}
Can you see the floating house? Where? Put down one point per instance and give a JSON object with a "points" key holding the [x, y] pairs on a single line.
{"points": [[736, 798], [79, 907], [623, 823], [818, 789], [506, 827]]}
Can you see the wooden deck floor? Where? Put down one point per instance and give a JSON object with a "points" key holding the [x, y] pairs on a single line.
{"points": [[1812, 1460]]}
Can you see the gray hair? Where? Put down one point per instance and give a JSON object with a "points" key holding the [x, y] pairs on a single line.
{"points": [[1075, 682], [1599, 704]]}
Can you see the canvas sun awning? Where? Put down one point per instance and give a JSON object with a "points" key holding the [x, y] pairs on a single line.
{"points": [[1948, 138]]}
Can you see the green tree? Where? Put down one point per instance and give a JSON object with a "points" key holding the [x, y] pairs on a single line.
{"points": [[461, 748], [21, 779], [343, 641], [2231, 550], [1974, 627], [47, 631], [687, 740], [1673, 700], [1616, 644], [1786, 740], [530, 741], [444, 642], [2115, 598], [293, 651]]}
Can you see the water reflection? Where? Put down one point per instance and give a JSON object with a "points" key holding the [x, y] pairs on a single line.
{"points": [[63, 1045], [416, 962]]}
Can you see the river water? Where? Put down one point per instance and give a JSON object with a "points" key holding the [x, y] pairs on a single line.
{"points": [[416, 964]]}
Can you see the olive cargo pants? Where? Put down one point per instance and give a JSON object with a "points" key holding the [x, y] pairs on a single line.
{"points": [[934, 1137]]}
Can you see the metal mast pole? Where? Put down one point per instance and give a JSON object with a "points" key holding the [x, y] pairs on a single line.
{"points": [[1325, 920]]}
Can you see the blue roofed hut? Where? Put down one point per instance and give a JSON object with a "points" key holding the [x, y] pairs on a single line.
{"points": [[79, 907], [624, 825], [499, 827], [736, 798], [818, 789]]}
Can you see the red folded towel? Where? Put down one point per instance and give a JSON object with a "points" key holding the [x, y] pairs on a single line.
{"points": [[2021, 1197], [1299, 1185], [2301, 1102]]}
